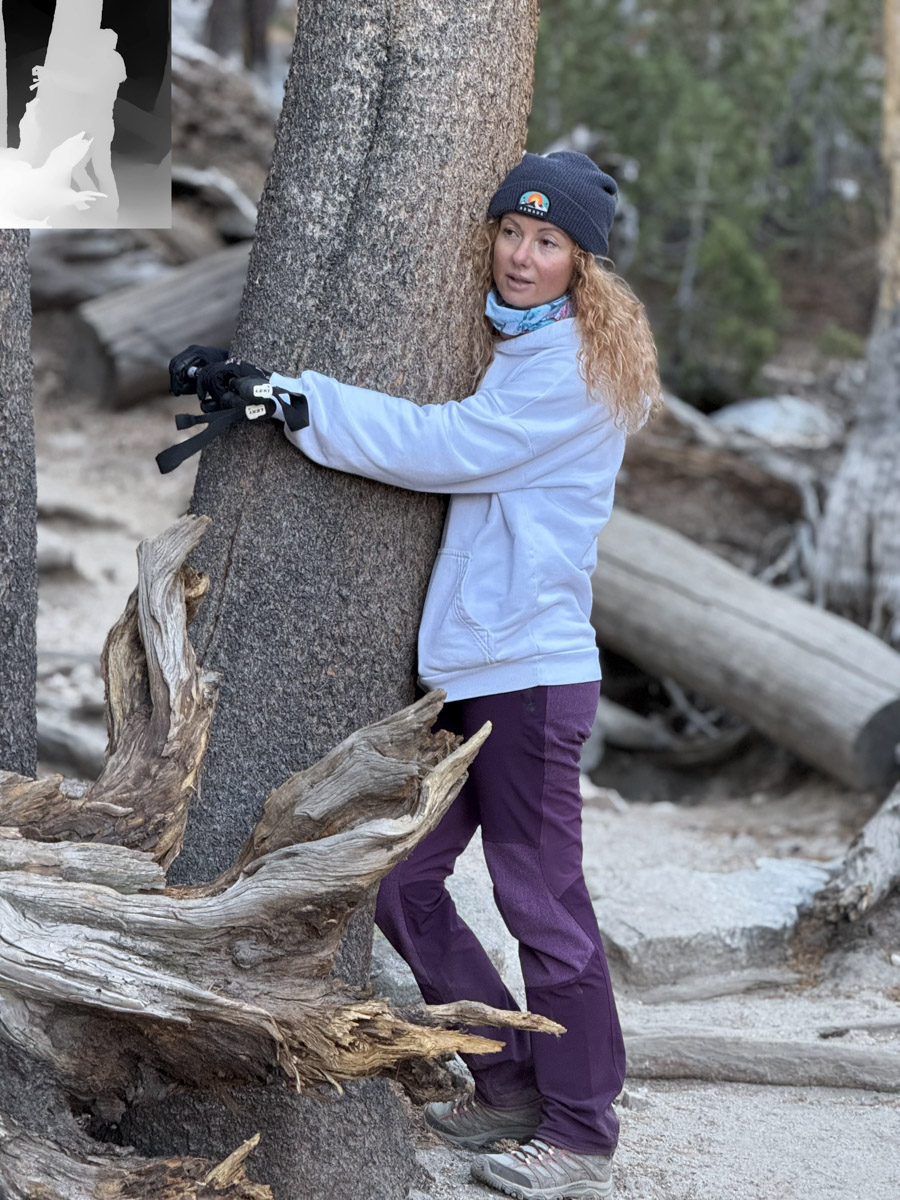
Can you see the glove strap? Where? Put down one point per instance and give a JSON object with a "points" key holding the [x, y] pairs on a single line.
{"points": [[216, 424], [296, 416]]}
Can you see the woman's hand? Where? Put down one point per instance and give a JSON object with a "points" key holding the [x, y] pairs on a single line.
{"points": [[216, 383], [185, 367]]}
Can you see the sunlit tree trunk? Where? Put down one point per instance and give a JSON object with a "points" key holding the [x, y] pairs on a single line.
{"points": [[399, 121]]}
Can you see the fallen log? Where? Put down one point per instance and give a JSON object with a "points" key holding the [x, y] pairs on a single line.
{"points": [[871, 869], [810, 680], [734, 1058], [131, 334]]}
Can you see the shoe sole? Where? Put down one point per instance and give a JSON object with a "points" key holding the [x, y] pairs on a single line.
{"points": [[480, 1141], [588, 1190]]}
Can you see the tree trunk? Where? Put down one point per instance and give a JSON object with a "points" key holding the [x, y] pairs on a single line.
{"points": [[257, 14], [858, 561], [890, 284], [223, 26], [18, 514], [113, 985], [399, 121]]}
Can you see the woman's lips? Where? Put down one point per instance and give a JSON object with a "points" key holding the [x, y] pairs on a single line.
{"points": [[516, 283]]}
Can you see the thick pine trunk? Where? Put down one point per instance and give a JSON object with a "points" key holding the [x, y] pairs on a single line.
{"points": [[399, 121], [18, 513]]}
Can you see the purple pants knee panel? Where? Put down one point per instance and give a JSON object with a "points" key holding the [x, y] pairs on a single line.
{"points": [[523, 791]]}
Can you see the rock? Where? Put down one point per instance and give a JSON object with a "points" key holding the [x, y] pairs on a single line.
{"points": [[666, 921], [782, 421]]}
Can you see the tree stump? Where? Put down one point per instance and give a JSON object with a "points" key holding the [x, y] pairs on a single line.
{"points": [[117, 987]]}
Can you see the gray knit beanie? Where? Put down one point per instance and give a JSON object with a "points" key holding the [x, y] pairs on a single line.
{"points": [[566, 188]]}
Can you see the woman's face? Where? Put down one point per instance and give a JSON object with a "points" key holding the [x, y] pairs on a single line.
{"points": [[533, 261]]}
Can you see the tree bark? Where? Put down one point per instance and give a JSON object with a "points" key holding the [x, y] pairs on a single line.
{"points": [[858, 560], [223, 26], [399, 121], [18, 514], [890, 283], [806, 678], [115, 986]]}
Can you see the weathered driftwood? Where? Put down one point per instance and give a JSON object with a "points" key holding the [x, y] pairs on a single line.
{"points": [[871, 869], [159, 708], [121, 989], [132, 333], [806, 678], [32, 1167], [735, 1058], [232, 984]]}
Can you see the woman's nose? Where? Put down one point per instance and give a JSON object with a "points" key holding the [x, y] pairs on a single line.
{"points": [[522, 252]]}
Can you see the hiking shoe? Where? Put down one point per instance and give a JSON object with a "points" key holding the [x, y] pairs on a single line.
{"points": [[538, 1171], [468, 1123]]}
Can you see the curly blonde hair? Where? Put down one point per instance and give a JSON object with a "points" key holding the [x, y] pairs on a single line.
{"points": [[617, 359]]}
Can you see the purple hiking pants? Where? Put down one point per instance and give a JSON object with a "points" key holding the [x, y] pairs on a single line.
{"points": [[523, 791]]}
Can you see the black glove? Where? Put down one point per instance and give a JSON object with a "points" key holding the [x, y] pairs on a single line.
{"points": [[183, 367], [217, 384]]}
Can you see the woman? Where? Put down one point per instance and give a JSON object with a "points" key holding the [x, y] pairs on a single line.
{"points": [[530, 460]]}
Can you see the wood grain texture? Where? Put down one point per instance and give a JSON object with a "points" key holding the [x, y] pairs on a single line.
{"points": [[807, 678], [160, 704]]}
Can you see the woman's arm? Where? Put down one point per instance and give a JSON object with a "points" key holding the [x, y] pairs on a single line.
{"points": [[474, 445]]}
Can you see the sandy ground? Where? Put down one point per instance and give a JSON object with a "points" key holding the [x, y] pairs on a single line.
{"points": [[100, 493]]}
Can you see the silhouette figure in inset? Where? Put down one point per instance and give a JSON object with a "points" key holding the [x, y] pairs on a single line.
{"points": [[78, 97], [31, 197]]}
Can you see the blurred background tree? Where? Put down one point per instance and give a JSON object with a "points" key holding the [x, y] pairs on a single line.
{"points": [[745, 138]]}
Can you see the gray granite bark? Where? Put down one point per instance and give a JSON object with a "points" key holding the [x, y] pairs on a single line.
{"points": [[399, 121], [18, 513]]}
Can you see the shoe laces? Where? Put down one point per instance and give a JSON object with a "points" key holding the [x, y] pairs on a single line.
{"points": [[534, 1151]]}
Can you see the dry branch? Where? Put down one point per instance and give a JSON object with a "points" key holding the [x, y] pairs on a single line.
{"points": [[160, 706], [735, 1058], [871, 869], [123, 992], [32, 1167]]}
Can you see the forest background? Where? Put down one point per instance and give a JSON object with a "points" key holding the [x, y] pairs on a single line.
{"points": [[745, 139]]}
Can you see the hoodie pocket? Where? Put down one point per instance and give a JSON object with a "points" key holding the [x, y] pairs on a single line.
{"points": [[449, 639]]}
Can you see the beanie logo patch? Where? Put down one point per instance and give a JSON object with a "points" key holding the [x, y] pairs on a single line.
{"points": [[533, 204]]}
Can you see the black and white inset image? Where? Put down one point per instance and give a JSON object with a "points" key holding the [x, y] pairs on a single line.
{"points": [[85, 114]]}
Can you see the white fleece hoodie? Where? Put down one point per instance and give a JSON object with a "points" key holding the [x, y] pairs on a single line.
{"points": [[530, 462]]}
